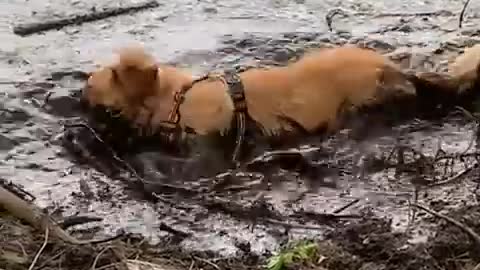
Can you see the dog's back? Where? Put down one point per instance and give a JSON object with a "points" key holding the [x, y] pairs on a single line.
{"points": [[314, 90], [356, 73]]}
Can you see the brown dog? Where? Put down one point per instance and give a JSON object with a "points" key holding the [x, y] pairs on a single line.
{"points": [[310, 93]]}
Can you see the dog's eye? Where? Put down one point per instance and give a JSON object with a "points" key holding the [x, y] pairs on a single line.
{"points": [[115, 75]]}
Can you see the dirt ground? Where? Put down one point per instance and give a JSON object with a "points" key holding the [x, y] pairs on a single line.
{"points": [[354, 197]]}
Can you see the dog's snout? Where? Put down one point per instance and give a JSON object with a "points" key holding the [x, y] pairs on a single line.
{"points": [[84, 103], [84, 95]]}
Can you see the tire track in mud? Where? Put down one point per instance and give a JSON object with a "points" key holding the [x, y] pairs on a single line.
{"points": [[202, 36]]}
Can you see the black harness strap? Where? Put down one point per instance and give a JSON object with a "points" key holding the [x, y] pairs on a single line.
{"points": [[236, 90], [237, 93]]}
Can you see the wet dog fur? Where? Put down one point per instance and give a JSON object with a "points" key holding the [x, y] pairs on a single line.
{"points": [[310, 92], [315, 93]]}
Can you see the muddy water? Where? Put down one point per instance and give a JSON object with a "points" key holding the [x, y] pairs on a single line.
{"points": [[202, 35]]}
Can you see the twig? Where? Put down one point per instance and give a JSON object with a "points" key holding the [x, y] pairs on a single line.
{"points": [[462, 13], [461, 226], [169, 229], [338, 11], [77, 220], [98, 256], [47, 261], [331, 14], [453, 178], [20, 245], [112, 152], [128, 167], [415, 14], [290, 225], [473, 118], [323, 217], [337, 211], [207, 262], [32, 28], [40, 250]]}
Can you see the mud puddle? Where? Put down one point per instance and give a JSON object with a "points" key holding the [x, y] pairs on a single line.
{"points": [[205, 35]]}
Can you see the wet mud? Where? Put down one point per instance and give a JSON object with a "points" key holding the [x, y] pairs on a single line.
{"points": [[353, 196]]}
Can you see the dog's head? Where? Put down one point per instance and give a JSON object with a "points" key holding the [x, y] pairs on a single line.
{"points": [[102, 90], [126, 82]]}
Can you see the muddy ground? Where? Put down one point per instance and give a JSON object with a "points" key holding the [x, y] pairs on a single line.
{"points": [[212, 223]]}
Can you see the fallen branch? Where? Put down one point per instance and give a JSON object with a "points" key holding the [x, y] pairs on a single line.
{"points": [[33, 28], [17, 190], [475, 237], [35, 217]]}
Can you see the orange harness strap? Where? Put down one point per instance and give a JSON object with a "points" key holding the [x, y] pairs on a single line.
{"points": [[236, 90]]}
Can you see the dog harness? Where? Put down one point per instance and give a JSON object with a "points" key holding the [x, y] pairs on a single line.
{"points": [[236, 91]]}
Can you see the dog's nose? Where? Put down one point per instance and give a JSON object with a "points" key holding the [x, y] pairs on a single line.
{"points": [[84, 101], [84, 104]]}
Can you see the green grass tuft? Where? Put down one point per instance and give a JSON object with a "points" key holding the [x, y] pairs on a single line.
{"points": [[297, 252]]}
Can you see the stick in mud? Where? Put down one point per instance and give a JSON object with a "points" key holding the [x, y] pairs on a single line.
{"points": [[35, 217], [462, 14], [33, 28], [473, 235]]}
